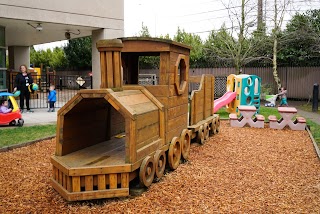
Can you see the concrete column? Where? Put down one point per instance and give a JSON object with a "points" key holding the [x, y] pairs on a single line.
{"points": [[18, 55], [96, 36]]}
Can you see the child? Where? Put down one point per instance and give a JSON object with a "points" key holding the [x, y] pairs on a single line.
{"points": [[52, 98], [283, 96], [4, 107]]}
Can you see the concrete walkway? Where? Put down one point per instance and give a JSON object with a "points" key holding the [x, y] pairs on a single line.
{"points": [[40, 117]]}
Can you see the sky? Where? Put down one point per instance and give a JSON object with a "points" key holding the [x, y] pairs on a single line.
{"points": [[198, 17]]}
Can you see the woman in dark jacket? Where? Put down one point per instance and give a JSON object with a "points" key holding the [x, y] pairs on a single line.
{"points": [[22, 81]]}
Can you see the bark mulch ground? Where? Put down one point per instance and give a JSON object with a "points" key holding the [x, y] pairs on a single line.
{"points": [[240, 170]]}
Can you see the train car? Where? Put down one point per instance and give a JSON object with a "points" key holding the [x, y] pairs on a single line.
{"points": [[107, 137]]}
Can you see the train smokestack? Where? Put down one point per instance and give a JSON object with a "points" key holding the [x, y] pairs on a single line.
{"points": [[110, 59]]}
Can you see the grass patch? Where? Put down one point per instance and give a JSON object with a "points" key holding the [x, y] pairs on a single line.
{"points": [[315, 130], [308, 107], [16, 135]]}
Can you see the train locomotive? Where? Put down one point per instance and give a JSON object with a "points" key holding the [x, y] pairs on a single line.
{"points": [[123, 131]]}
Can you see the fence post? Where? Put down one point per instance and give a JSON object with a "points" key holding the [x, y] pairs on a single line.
{"points": [[315, 99], [91, 82], [60, 83]]}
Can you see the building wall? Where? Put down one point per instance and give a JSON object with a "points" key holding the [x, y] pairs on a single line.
{"points": [[93, 13]]}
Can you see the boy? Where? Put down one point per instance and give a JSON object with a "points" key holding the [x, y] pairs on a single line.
{"points": [[52, 98], [283, 96], [4, 107]]}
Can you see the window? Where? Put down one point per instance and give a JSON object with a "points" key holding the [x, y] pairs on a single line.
{"points": [[181, 74]]}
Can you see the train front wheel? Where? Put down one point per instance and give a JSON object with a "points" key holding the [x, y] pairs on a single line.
{"points": [[147, 171]]}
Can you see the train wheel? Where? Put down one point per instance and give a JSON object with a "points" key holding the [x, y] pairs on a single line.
{"points": [[213, 127], [218, 125], [200, 136], [206, 131], [174, 153], [185, 143], [160, 163], [147, 170]]}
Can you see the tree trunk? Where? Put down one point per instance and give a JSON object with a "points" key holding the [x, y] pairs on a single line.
{"points": [[274, 62]]}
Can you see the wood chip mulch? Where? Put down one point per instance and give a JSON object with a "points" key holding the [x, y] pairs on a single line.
{"points": [[240, 170]]}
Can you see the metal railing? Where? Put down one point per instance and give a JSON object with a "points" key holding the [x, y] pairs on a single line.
{"points": [[66, 87]]}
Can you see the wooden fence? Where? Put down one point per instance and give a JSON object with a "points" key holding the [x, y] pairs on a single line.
{"points": [[298, 80]]}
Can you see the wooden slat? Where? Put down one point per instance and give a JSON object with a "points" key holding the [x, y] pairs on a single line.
{"points": [[146, 119], [117, 69], [147, 132], [124, 180], [113, 181], [177, 122], [177, 111], [101, 182], [54, 169], [109, 64], [103, 69], [148, 149], [60, 177], [88, 182], [164, 68], [158, 90], [69, 184], [76, 184], [64, 181], [152, 98]]}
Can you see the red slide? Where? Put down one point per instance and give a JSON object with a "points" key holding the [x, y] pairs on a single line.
{"points": [[224, 100]]}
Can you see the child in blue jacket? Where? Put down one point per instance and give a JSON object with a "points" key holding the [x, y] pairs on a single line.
{"points": [[52, 98]]}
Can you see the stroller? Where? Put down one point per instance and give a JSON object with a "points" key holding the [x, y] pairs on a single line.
{"points": [[272, 100]]}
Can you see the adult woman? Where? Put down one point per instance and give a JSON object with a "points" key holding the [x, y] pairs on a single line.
{"points": [[22, 81]]}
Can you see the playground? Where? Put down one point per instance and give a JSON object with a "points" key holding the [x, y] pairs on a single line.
{"points": [[238, 170]]}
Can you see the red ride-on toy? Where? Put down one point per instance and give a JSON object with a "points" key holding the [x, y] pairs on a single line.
{"points": [[13, 118]]}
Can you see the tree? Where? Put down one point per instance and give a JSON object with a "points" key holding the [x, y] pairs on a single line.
{"points": [[302, 44], [235, 45], [78, 53], [193, 40]]}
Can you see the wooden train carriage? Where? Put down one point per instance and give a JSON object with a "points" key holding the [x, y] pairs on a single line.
{"points": [[109, 136]]}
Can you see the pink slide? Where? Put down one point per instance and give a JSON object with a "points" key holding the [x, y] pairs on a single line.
{"points": [[224, 100]]}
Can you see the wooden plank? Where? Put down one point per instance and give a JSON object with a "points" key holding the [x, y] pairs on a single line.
{"points": [[196, 107], [76, 184], [146, 119], [109, 64], [152, 99], [103, 69], [64, 181], [131, 150], [69, 184], [181, 120], [146, 142], [162, 128], [143, 108], [54, 171], [158, 90], [88, 182], [177, 111], [177, 100], [127, 92], [147, 132], [113, 181], [164, 68], [91, 96], [174, 133], [101, 182], [145, 46], [148, 149], [124, 180], [95, 180], [192, 112], [117, 69], [133, 99], [60, 177]]}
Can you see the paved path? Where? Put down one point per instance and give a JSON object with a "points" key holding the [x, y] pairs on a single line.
{"points": [[40, 117], [315, 117]]}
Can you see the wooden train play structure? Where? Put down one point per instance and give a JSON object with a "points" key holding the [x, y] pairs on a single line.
{"points": [[123, 131]]}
